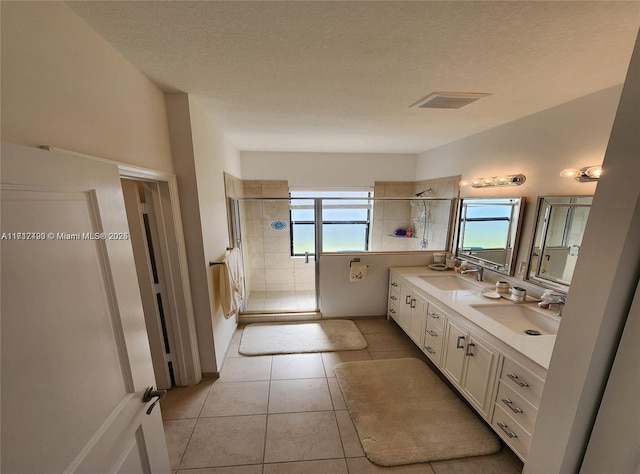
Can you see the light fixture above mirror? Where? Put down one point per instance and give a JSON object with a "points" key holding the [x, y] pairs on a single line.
{"points": [[506, 180], [583, 175]]}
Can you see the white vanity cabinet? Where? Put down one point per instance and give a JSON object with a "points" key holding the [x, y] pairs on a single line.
{"points": [[471, 364], [504, 384]]}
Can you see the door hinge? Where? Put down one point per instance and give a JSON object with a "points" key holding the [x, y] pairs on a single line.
{"points": [[169, 358], [157, 288]]}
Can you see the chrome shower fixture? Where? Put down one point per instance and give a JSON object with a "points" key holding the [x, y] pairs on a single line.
{"points": [[424, 193]]}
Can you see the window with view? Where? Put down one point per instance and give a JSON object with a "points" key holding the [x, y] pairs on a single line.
{"points": [[345, 220]]}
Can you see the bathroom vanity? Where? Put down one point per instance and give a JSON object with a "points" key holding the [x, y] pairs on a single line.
{"points": [[479, 344]]}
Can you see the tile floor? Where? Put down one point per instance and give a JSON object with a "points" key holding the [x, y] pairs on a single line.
{"points": [[281, 301], [285, 414]]}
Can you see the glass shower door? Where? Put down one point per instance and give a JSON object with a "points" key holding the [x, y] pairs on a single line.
{"points": [[277, 237]]}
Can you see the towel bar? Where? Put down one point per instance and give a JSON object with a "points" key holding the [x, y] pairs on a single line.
{"points": [[211, 264]]}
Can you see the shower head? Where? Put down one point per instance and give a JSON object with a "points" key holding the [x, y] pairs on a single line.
{"points": [[424, 193]]}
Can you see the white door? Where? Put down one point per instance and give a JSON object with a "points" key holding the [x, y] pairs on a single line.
{"points": [[151, 277], [75, 354]]}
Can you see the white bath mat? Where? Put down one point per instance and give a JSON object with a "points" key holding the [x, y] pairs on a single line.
{"points": [[307, 336], [405, 414]]}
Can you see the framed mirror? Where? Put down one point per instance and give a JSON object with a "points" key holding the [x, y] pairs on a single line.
{"points": [[488, 232], [560, 225]]}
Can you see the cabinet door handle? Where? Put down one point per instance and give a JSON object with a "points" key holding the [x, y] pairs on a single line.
{"points": [[458, 345], [407, 300], [504, 427], [510, 404], [413, 303], [434, 315], [469, 346], [429, 350], [515, 378], [394, 283], [432, 333]]}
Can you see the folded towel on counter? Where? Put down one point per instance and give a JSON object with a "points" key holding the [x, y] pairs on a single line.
{"points": [[231, 283], [357, 273]]}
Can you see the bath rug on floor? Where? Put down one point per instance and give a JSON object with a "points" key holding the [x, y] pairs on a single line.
{"points": [[307, 336], [405, 414]]}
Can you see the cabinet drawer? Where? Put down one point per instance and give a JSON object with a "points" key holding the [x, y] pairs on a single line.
{"points": [[434, 330], [511, 432], [393, 312], [394, 283], [522, 381], [436, 317], [433, 350], [519, 409], [394, 297]]}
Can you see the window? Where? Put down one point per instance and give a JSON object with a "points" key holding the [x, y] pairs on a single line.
{"points": [[346, 216]]}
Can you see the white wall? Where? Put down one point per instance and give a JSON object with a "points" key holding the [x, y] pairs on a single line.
{"points": [[214, 155], [328, 169], [63, 85], [571, 135], [598, 304], [202, 154], [339, 297]]}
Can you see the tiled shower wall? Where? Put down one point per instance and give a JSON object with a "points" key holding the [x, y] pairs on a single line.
{"points": [[391, 215], [268, 261], [266, 251]]}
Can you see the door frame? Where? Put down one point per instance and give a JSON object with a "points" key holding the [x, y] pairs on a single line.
{"points": [[188, 370]]}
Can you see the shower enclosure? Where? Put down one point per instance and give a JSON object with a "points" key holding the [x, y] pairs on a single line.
{"points": [[281, 239]]}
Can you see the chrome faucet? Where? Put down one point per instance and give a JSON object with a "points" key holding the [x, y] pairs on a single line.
{"points": [[553, 298], [479, 271]]}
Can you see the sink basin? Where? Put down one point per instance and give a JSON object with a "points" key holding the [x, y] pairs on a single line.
{"points": [[520, 319], [449, 282]]}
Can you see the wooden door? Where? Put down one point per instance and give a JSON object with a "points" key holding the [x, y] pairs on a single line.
{"points": [[75, 354], [151, 277]]}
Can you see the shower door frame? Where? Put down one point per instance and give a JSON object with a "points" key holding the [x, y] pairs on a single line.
{"points": [[235, 231]]}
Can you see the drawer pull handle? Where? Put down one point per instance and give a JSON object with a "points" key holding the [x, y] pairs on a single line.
{"points": [[394, 284], [515, 378], [407, 299], [504, 427], [468, 351], [429, 350], [509, 403], [392, 311], [458, 345], [434, 315], [394, 298], [432, 333]]}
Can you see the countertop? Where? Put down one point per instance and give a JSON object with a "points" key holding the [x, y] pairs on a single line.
{"points": [[536, 348]]}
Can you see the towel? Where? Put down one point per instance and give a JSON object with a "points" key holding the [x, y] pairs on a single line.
{"points": [[231, 284], [357, 273]]}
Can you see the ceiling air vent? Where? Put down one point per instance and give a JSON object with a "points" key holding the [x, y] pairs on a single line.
{"points": [[448, 100]]}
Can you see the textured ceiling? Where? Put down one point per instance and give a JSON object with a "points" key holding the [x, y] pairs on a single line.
{"points": [[340, 76]]}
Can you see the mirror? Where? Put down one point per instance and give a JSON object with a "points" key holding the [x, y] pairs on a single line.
{"points": [[560, 225], [488, 231]]}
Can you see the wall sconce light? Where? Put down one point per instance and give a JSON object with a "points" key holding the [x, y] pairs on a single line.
{"points": [[583, 175], [508, 180]]}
